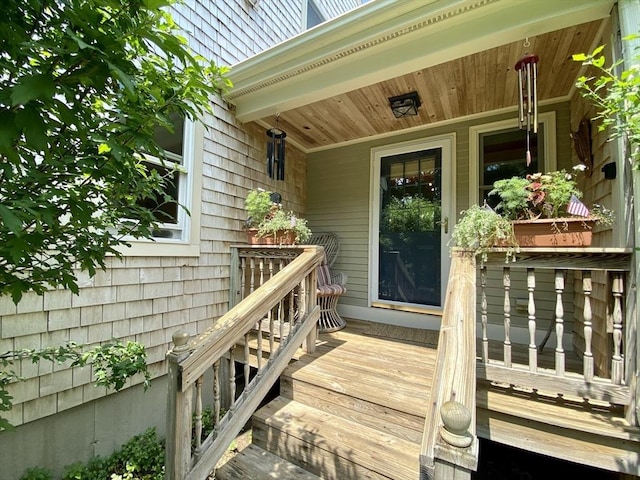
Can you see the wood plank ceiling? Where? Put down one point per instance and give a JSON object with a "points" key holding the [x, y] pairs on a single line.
{"points": [[465, 86]]}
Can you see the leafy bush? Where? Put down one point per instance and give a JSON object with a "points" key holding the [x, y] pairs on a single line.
{"points": [[141, 458], [37, 473]]}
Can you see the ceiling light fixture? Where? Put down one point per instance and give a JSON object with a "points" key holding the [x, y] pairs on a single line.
{"points": [[405, 105]]}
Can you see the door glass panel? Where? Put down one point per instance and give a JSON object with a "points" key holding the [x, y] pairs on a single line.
{"points": [[409, 234]]}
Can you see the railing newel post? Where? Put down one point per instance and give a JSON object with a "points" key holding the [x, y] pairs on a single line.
{"points": [[178, 446]]}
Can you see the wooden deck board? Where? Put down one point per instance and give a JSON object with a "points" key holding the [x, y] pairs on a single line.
{"points": [[326, 438]]}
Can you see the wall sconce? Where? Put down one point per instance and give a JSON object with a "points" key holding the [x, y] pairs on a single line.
{"points": [[405, 105]]}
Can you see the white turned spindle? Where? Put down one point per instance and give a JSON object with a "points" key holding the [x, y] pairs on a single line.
{"points": [[506, 282], [216, 394], [243, 277], [559, 287], [198, 417], [588, 326], [261, 267], [617, 368], [272, 333], [259, 348], [252, 275], [246, 362], [232, 377], [531, 316], [483, 313]]}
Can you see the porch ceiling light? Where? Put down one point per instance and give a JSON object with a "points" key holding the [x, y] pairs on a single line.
{"points": [[405, 105]]}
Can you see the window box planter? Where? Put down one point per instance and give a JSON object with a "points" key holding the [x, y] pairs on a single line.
{"points": [[554, 232]]}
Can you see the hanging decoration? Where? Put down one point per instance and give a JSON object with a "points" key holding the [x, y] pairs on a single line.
{"points": [[275, 151], [527, 68]]}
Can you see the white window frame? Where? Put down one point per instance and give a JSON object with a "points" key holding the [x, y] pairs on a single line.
{"points": [[547, 119], [187, 243]]}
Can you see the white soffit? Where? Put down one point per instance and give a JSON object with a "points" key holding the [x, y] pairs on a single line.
{"points": [[388, 38]]}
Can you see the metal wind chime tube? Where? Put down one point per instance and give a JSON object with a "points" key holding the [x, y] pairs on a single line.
{"points": [[275, 152], [527, 68]]}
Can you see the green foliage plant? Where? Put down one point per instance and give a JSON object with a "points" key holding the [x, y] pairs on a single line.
{"points": [[616, 95], [85, 86], [140, 458], [37, 473], [539, 195], [480, 229], [269, 218]]}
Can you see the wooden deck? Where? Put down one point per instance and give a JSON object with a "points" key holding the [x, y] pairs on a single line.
{"points": [[355, 409]]}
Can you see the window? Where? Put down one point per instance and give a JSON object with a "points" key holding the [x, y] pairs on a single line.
{"points": [[178, 232], [313, 16], [498, 150], [176, 172]]}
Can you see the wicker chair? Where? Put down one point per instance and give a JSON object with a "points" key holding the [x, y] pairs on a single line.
{"points": [[330, 286]]}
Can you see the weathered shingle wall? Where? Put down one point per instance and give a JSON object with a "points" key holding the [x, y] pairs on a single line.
{"points": [[147, 298]]}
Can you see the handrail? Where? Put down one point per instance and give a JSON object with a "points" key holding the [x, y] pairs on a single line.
{"points": [[449, 444], [295, 285]]}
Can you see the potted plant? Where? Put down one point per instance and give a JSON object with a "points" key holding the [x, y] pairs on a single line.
{"points": [[546, 210], [267, 222], [481, 229]]}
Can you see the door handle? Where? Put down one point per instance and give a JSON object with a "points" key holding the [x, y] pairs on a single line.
{"points": [[445, 225]]}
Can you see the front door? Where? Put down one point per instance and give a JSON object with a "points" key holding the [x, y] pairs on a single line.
{"points": [[410, 223]]}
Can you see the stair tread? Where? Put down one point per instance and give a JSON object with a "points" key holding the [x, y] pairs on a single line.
{"points": [[570, 415], [254, 463], [381, 417], [566, 444], [323, 433]]}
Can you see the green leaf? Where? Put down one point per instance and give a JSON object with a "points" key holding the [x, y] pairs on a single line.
{"points": [[31, 88], [10, 219], [579, 57]]}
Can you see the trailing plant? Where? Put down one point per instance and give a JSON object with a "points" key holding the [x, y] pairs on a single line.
{"points": [[616, 95], [480, 229], [112, 363], [268, 217]]}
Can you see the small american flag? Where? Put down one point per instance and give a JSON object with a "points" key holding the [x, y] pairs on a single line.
{"points": [[576, 207]]}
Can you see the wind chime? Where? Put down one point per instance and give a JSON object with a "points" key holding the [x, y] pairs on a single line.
{"points": [[527, 68], [275, 151]]}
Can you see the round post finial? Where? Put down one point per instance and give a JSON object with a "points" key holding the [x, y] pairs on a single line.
{"points": [[456, 419], [180, 341]]}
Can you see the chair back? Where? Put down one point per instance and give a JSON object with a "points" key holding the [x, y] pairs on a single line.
{"points": [[331, 244]]}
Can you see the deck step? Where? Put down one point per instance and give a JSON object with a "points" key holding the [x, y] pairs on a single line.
{"points": [[332, 446], [254, 463]]}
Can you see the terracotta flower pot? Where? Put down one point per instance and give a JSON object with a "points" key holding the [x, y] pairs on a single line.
{"points": [[284, 237], [554, 232]]}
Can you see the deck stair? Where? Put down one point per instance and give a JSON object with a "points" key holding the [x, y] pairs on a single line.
{"points": [[353, 409]]}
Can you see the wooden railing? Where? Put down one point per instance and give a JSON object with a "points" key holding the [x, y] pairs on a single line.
{"points": [[583, 288], [287, 297], [449, 444], [592, 283]]}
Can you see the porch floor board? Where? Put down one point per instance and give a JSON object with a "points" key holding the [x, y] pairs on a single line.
{"points": [[364, 393]]}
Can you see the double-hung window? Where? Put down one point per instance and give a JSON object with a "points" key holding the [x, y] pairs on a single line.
{"points": [[498, 150], [178, 210]]}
